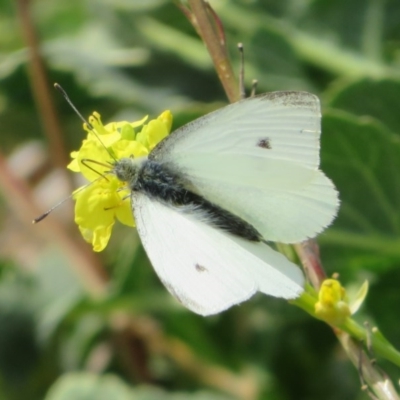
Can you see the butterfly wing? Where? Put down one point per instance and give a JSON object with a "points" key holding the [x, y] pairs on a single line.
{"points": [[259, 159], [206, 269]]}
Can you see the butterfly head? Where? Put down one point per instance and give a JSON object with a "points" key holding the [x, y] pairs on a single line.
{"points": [[126, 169]]}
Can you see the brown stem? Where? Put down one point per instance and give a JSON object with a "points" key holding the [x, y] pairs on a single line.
{"points": [[132, 349], [377, 380], [210, 29], [308, 253], [41, 88]]}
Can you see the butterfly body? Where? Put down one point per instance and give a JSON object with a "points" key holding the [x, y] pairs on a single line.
{"points": [[160, 183]]}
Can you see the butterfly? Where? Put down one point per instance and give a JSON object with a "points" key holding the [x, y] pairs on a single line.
{"points": [[210, 197]]}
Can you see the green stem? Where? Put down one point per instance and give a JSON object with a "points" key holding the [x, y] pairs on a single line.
{"points": [[385, 245], [373, 29], [381, 346]]}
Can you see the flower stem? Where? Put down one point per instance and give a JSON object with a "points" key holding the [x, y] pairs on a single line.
{"points": [[379, 344], [209, 28]]}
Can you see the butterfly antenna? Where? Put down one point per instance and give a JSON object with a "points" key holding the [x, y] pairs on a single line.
{"points": [[253, 87], [86, 162], [72, 105], [48, 212], [43, 216], [242, 90]]}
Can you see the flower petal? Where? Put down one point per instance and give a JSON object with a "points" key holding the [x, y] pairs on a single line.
{"points": [[356, 303], [124, 213], [129, 148], [166, 118], [91, 155]]}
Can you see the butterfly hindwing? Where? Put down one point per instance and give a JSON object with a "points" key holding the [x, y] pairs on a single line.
{"points": [[206, 269]]}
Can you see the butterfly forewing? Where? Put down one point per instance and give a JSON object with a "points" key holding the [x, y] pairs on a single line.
{"points": [[288, 123], [259, 159]]}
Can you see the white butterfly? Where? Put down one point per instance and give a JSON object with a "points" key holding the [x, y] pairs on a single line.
{"points": [[209, 196]]}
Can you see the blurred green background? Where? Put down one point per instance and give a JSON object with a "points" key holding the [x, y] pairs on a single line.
{"points": [[83, 326]]}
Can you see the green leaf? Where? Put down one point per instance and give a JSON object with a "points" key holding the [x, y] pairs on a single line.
{"points": [[271, 59], [368, 97], [363, 159], [87, 386]]}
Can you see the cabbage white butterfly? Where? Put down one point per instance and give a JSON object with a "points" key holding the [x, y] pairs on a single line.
{"points": [[209, 196]]}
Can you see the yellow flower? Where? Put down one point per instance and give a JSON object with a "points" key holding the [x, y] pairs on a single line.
{"points": [[106, 199], [333, 305]]}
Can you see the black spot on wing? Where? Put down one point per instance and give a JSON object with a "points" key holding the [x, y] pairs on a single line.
{"points": [[200, 268], [264, 143]]}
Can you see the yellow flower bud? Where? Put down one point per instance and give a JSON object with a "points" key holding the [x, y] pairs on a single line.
{"points": [[332, 305]]}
